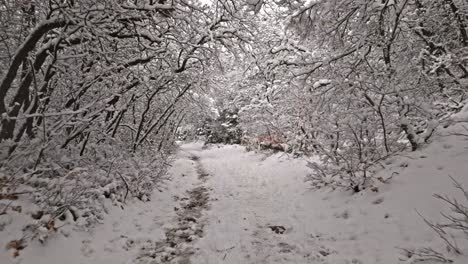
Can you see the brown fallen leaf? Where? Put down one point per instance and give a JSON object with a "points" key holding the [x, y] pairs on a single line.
{"points": [[51, 225], [16, 244]]}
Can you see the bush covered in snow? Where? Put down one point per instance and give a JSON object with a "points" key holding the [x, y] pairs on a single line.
{"points": [[224, 129], [342, 82], [64, 185], [453, 231]]}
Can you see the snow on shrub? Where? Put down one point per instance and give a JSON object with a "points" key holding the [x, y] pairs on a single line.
{"points": [[72, 189]]}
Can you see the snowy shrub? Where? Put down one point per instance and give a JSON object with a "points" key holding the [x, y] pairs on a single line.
{"points": [[64, 184], [454, 229], [423, 255], [456, 221], [224, 129], [356, 83]]}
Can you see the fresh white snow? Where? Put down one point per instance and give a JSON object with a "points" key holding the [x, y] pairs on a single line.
{"points": [[254, 192], [260, 210], [118, 239]]}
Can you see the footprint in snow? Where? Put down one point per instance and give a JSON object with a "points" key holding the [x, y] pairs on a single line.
{"points": [[447, 146], [277, 229], [286, 248], [344, 214], [378, 200], [86, 249], [115, 227]]}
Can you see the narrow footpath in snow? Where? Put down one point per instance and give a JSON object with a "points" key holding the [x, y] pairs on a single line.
{"points": [[261, 210]]}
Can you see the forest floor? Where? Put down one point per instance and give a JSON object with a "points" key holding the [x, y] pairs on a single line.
{"points": [[227, 205]]}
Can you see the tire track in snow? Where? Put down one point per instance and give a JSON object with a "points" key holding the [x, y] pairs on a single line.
{"points": [[178, 247]]}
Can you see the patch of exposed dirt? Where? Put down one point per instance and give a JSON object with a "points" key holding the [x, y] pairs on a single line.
{"points": [[202, 173], [188, 226]]}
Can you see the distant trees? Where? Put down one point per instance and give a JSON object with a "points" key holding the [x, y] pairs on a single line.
{"points": [[224, 129]]}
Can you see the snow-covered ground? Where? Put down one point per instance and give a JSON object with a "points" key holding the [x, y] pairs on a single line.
{"points": [[122, 236], [227, 205], [257, 195]]}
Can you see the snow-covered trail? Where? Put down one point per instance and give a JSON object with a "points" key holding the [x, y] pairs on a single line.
{"points": [[262, 211], [226, 205], [255, 215], [142, 232]]}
